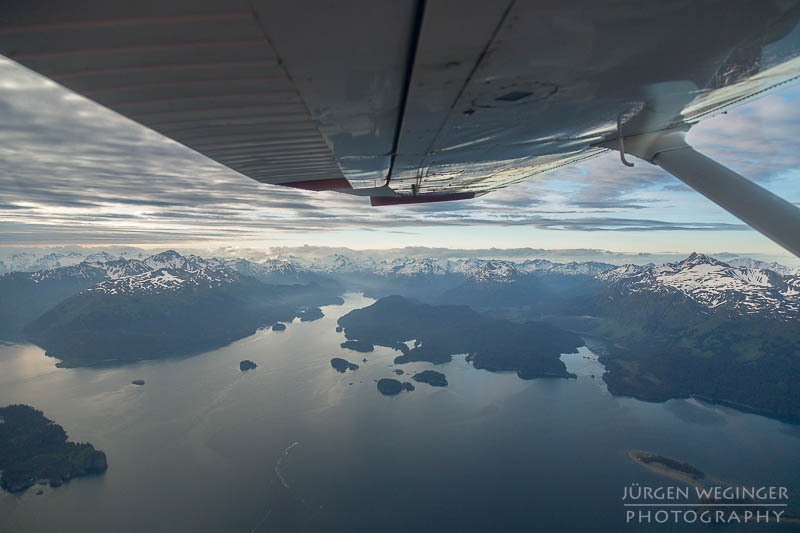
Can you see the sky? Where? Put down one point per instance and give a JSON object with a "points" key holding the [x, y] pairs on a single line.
{"points": [[75, 173]]}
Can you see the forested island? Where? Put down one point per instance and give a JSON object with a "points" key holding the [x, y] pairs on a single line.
{"points": [[34, 448], [532, 349], [391, 387], [311, 314], [668, 467], [358, 346], [343, 365], [431, 377]]}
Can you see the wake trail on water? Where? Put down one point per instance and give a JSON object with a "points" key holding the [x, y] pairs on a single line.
{"points": [[279, 463]]}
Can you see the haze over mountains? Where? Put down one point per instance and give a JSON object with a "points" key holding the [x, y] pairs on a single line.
{"points": [[15, 259], [742, 286], [725, 331]]}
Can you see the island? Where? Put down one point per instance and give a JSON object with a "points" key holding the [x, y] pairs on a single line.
{"points": [[246, 365], [343, 365], [35, 448], [310, 314], [358, 346], [532, 349], [278, 326], [391, 387], [664, 466], [431, 377], [139, 382]]}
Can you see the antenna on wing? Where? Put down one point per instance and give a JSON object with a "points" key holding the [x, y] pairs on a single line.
{"points": [[622, 143]]}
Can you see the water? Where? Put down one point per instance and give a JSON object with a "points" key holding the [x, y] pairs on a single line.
{"points": [[293, 445]]}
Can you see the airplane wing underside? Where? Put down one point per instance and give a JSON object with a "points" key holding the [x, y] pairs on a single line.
{"points": [[407, 100]]}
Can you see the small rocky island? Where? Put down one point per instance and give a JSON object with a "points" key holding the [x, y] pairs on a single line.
{"points": [[246, 365], [343, 365], [431, 377], [139, 382], [390, 387], [278, 326], [358, 346], [34, 448], [310, 314]]}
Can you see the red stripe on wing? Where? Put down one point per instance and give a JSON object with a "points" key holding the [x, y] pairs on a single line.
{"points": [[394, 200], [320, 185]]}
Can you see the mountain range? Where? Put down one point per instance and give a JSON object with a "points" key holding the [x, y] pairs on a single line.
{"points": [[725, 331], [110, 310], [699, 328], [541, 287], [714, 285]]}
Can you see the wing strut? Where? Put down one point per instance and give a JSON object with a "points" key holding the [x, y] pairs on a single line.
{"points": [[771, 215]]}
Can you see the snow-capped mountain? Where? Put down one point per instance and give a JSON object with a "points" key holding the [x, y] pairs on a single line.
{"points": [[100, 258], [343, 264], [32, 262], [170, 271], [163, 280], [763, 265], [715, 285], [476, 270], [79, 271], [280, 266], [588, 268], [275, 271], [413, 267], [486, 270], [615, 274], [164, 271], [121, 268], [536, 265], [166, 259], [483, 272]]}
